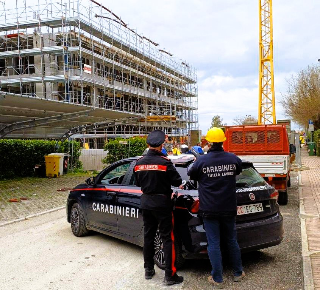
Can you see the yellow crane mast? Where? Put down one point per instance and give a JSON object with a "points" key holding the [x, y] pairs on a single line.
{"points": [[267, 110]]}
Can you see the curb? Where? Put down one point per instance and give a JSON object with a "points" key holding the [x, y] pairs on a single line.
{"points": [[307, 267], [32, 216]]}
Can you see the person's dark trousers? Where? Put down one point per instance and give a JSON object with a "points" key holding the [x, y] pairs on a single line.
{"points": [[151, 219], [213, 228]]}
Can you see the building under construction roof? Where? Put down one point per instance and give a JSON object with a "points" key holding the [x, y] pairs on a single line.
{"points": [[75, 67]]}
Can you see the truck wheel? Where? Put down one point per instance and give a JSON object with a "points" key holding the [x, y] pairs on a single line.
{"points": [[283, 197], [159, 253], [78, 223]]}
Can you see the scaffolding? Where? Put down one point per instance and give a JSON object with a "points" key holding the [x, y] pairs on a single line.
{"points": [[81, 53]]}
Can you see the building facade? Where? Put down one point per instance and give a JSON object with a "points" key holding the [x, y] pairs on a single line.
{"points": [[80, 61]]}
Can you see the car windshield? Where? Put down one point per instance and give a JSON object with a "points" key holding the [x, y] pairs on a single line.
{"points": [[183, 173], [247, 178]]}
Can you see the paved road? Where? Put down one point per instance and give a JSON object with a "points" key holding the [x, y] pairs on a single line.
{"points": [[38, 195], [41, 253]]}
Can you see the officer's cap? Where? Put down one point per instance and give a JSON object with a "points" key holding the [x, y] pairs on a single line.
{"points": [[156, 138]]}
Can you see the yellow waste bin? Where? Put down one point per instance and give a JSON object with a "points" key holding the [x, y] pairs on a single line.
{"points": [[60, 161], [52, 165]]}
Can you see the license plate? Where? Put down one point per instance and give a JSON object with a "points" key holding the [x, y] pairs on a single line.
{"points": [[249, 208]]}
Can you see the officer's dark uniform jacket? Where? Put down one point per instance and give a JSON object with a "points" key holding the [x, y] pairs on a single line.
{"points": [[216, 172], [155, 173]]}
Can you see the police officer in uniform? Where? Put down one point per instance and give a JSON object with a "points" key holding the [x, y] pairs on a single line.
{"points": [[155, 173], [216, 174]]}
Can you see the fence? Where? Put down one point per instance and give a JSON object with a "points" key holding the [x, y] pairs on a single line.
{"points": [[295, 140], [92, 159]]}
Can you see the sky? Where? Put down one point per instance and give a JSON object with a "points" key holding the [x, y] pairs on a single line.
{"points": [[220, 38]]}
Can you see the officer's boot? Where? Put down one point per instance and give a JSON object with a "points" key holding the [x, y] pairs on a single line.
{"points": [[175, 279], [149, 273]]}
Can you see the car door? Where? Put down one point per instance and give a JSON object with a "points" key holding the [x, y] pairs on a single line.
{"points": [[102, 200], [130, 224]]}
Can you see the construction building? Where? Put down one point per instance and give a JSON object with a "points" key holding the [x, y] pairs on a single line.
{"points": [[74, 67]]}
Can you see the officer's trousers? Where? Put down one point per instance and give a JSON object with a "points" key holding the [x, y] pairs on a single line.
{"points": [[164, 220], [227, 226]]}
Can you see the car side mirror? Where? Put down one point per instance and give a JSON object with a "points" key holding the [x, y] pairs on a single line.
{"points": [[90, 181]]}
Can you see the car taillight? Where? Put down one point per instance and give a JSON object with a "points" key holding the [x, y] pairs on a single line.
{"points": [[274, 195], [195, 206], [283, 185]]}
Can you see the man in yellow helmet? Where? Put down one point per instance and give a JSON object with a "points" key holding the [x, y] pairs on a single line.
{"points": [[216, 174]]}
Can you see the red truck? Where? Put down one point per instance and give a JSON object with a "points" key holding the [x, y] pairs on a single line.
{"points": [[267, 147]]}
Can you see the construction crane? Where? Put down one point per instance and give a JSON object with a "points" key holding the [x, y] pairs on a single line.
{"points": [[267, 110]]}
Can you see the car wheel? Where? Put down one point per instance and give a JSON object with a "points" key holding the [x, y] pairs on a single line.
{"points": [[78, 223], [159, 253], [283, 197]]}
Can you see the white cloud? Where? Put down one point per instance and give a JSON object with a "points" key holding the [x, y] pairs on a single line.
{"points": [[232, 97], [228, 97], [227, 82]]}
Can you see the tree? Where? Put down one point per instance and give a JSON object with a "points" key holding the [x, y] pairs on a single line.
{"points": [[302, 100], [247, 120], [217, 121]]}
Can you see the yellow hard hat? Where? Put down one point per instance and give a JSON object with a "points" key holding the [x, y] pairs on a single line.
{"points": [[215, 135]]}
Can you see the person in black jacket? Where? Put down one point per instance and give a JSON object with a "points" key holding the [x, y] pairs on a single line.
{"points": [[155, 173], [216, 174]]}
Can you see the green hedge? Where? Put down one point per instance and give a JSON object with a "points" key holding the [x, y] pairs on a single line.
{"points": [[316, 138], [123, 148], [73, 148], [19, 157]]}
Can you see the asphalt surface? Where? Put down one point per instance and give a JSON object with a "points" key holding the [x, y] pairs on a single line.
{"points": [[278, 267], [42, 253]]}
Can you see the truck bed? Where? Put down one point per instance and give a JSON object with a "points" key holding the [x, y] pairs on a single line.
{"points": [[269, 165]]}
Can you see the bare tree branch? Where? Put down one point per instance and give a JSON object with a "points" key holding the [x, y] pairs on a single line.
{"points": [[302, 100]]}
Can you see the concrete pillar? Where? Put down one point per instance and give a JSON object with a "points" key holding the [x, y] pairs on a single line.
{"points": [[49, 70], [37, 63], [95, 98], [145, 105], [145, 86]]}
